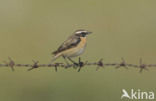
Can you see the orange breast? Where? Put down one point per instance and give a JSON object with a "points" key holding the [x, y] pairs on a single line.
{"points": [[75, 51], [83, 42]]}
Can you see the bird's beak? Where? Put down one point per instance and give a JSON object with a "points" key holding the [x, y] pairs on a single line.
{"points": [[89, 32]]}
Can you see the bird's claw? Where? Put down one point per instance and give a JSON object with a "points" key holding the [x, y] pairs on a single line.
{"points": [[75, 64]]}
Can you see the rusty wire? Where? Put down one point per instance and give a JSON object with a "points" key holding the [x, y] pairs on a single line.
{"points": [[11, 63]]}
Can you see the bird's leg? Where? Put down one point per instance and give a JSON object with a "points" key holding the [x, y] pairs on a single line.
{"points": [[76, 64], [65, 61]]}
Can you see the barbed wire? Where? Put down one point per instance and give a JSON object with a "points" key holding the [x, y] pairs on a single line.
{"points": [[99, 64]]}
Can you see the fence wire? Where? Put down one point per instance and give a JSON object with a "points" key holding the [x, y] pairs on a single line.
{"points": [[81, 64]]}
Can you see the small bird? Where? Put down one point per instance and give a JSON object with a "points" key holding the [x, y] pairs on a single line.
{"points": [[72, 47]]}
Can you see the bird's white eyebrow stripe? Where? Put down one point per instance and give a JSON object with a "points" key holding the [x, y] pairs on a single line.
{"points": [[80, 31]]}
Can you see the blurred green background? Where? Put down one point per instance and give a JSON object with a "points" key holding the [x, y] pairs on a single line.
{"points": [[32, 29]]}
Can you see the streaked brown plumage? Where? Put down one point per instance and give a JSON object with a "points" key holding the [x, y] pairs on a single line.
{"points": [[73, 46], [71, 42]]}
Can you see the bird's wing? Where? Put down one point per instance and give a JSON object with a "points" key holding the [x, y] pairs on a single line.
{"points": [[71, 42]]}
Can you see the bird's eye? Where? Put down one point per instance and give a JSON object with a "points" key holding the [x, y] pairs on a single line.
{"points": [[83, 34]]}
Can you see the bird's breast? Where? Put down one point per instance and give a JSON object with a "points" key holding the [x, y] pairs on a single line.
{"points": [[82, 42], [76, 51], [79, 49]]}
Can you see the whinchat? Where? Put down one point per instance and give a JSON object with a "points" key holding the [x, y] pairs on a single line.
{"points": [[73, 46]]}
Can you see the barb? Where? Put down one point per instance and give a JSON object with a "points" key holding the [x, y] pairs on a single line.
{"points": [[10, 64], [35, 65], [122, 64], [99, 64], [142, 66]]}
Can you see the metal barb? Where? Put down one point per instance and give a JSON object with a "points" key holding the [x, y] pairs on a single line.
{"points": [[35, 65], [11, 64], [56, 65], [81, 64], [122, 64], [99, 64], [142, 66]]}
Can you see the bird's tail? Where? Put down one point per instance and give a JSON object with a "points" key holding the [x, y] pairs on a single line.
{"points": [[55, 57]]}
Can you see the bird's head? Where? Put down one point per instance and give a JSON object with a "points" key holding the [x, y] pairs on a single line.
{"points": [[82, 33]]}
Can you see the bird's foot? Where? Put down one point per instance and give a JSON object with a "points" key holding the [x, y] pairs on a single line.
{"points": [[75, 65]]}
